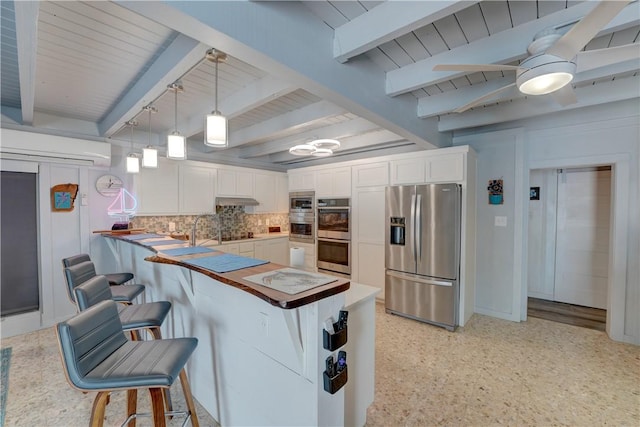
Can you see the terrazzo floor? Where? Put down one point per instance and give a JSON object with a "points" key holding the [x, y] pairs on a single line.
{"points": [[491, 372]]}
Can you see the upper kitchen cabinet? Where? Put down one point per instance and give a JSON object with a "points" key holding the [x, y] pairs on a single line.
{"points": [[302, 180], [271, 190], [196, 185], [334, 182], [157, 189], [444, 165], [234, 183], [371, 174]]}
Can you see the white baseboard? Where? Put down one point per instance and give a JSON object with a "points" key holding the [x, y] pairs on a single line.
{"points": [[497, 314]]}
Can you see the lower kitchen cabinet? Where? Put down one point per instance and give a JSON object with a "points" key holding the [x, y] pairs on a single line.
{"points": [[309, 254], [231, 248], [273, 250]]}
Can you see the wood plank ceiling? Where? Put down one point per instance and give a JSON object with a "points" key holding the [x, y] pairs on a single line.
{"points": [[359, 71]]}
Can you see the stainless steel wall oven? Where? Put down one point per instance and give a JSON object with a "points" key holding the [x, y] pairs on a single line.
{"points": [[302, 223], [334, 236]]}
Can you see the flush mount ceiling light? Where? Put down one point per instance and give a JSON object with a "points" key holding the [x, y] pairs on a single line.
{"points": [[317, 148], [215, 125], [150, 153], [176, 142], [133, 162]]}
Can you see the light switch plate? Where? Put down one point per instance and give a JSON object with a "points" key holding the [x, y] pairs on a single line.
{"points": [[500, 221]]}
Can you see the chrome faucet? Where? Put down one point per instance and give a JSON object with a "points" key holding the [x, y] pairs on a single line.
{"points": [[193, 228]]}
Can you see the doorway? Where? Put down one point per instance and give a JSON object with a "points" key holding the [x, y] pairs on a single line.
{"points": [[568, 244]]}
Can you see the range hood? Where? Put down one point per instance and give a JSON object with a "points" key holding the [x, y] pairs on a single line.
{"points": [[236, 201]]}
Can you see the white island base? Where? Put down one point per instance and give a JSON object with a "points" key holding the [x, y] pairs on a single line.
{"points": [[256, 363]]}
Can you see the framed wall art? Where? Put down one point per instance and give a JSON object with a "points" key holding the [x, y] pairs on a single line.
{"points": [[63, 197]]}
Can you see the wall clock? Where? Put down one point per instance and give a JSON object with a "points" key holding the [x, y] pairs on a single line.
{"points": [[109, 185]]}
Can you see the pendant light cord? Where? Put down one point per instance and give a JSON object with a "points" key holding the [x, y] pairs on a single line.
{"points": [[175, 108], [216, 95]]}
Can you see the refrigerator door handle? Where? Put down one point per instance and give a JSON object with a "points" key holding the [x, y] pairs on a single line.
{"points": [[413, 226], [417, 279], [419, 226]]}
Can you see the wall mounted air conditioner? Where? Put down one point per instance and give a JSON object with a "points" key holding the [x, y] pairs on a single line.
{"points": [[21, 145]]}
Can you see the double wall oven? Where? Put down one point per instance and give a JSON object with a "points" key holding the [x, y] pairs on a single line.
{"points": [[334, 236], [302, 217]]}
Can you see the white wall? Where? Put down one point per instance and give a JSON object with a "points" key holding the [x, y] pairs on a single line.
{"points": [[602, 135]]}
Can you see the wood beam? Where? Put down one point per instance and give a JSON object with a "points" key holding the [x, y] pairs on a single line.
{"points": [[448, 101], [284, 123], [337, 131], [386, 22], [181, 55], [500, 48], [602, 93], [260, 34], [26, 19]]}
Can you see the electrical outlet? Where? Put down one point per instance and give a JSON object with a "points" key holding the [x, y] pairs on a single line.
{"points": [[259, 222], [266, 221], [500, 221], [172, 226], [84, 200]]}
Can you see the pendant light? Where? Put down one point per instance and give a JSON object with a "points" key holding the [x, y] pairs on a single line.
{"points": [[176, 142], [215, 125], [316, 148], [133, 162], [150, 153]]}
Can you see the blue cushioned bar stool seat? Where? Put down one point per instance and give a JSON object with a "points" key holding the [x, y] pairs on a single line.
{"points": [[136, 316], [97, 356], [83, 271], [113, 278]]}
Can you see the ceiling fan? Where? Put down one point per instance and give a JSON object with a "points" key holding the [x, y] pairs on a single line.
{"points": [[554, 58]]}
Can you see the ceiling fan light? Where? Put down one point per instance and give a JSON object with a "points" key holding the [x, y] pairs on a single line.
{"points": [[176, 146], [322, 152], [331, 144], [215, 130], [149, 157], [302, 150], [545, 83], [133, 163]]}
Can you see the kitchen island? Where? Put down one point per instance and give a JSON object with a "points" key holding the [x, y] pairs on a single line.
{"points": [[260, 358]]}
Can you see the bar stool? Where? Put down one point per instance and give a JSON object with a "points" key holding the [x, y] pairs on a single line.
{"points": [[149, 316], [135, 317], [85, 270], [113, 278], [97, 356]]}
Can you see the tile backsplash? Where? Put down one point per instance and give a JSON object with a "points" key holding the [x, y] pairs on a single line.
{"points": [[234, 223]]}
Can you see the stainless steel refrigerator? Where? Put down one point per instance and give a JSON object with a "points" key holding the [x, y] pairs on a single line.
{"points": [[422, 253]]}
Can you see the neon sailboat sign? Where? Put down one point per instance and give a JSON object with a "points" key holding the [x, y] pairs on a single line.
{"points": [[124, 206]]}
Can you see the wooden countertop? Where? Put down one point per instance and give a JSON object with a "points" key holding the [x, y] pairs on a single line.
{"points": [[235, 278]]}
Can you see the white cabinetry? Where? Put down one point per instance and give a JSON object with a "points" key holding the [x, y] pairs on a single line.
{"points": [[246, 249], [157, 189], [407, 171], [235, 183], [264, 192], [299, 181], [282, 193], [273, 250], [196, 189], [369, 230], [371, 174], [309, 254], [334, 182], [230, 248], [445, 168]]}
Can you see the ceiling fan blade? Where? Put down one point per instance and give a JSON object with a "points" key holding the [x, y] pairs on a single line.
{"points": [[590, 59], [576, 38], [474, 67], [565, 95], [483, 98]]}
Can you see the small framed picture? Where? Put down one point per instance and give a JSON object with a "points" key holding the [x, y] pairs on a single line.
{"points": [[534, 193], [63, 196]]}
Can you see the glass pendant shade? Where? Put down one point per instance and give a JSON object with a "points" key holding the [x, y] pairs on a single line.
{"points": [[215, 130], [133, 164], [176, 146], [149, 157]]}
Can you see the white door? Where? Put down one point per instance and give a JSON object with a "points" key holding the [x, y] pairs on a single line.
{"points": [[582, 241]]}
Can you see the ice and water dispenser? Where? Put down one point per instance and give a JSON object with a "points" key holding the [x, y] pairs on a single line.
{"points": [[397, 225]]}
